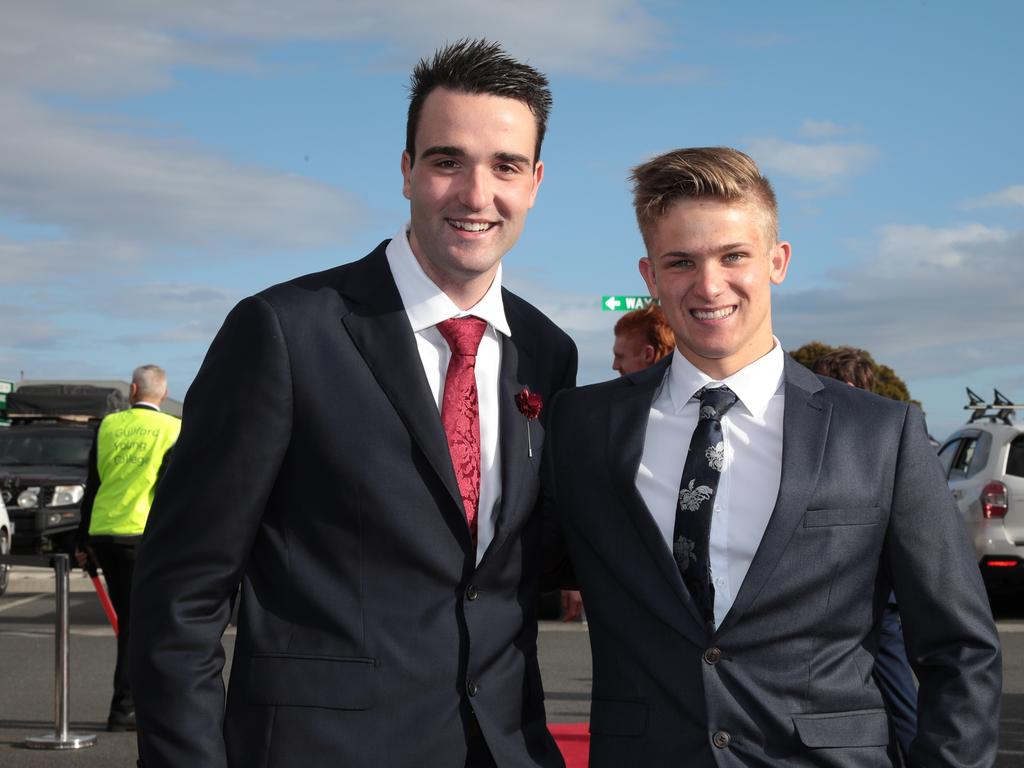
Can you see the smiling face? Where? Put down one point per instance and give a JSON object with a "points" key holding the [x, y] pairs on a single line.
{"points": [[471, 184], [712, 267]]}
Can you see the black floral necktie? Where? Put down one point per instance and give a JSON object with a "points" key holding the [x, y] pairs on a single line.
{"points": [[703, 468]]}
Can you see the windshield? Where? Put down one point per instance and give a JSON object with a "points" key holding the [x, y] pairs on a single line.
{"points": [[17, 449]]}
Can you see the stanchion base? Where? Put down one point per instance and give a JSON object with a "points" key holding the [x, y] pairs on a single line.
{"points": [[54, 741]]}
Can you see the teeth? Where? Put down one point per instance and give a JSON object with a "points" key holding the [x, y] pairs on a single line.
{"points": [[470, 226], [717, 314]]}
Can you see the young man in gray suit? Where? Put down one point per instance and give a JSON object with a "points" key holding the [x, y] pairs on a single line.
{"points": [[736, 523], [372, 484]]}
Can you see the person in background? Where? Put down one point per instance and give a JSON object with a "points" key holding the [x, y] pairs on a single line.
{"points": [[892, 672], [125, 464], [642, 338], [361, 454]]}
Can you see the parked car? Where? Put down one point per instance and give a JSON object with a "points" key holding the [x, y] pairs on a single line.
{"points": [[44, 458], [6, 531], [984, 464]]}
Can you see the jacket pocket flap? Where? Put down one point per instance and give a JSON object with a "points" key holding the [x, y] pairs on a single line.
{"points": [[611, 717], [311, 681], [814, 518], [869, 728]]}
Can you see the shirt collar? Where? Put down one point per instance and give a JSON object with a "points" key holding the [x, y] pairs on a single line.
{"points": [[754, 385], [145, 404], [425, 303]]}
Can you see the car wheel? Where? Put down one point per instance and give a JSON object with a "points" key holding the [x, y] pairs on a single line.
{"points": [[5, 570]]}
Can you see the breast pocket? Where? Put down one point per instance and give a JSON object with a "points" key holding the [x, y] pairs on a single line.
{"points": [[823, 518]]}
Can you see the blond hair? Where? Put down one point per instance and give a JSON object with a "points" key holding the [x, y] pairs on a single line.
{"points": [[694, 173]]}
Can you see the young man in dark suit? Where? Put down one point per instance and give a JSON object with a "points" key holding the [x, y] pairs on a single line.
{"points": [[372, 486], [736, 523]]}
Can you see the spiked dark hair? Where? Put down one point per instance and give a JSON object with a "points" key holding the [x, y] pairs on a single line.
{"points": [[477, 66]]}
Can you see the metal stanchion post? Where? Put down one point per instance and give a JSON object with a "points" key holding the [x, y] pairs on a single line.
{"points": [[60, 738]]}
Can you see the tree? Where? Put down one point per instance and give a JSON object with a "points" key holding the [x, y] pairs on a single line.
{"points": [[887, 383]]}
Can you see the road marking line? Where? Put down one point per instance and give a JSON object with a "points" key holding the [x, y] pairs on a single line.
{"points": [[23, 601]]}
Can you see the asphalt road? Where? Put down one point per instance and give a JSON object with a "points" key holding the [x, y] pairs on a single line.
{"points": [[27, 676]]}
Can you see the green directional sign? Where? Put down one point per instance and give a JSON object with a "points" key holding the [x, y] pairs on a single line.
{"points": [[624, 303]]}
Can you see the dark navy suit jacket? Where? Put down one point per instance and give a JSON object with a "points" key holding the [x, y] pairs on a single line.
{"points": [[313, 470]]}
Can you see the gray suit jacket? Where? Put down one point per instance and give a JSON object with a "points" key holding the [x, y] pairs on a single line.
{"points": [[786, 679]]}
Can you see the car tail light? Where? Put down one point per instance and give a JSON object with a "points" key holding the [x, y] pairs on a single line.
{"points": [[1002, 563], [994, 500]]}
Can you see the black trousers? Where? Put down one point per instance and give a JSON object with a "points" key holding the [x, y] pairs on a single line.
{"points": [[116, 557]]}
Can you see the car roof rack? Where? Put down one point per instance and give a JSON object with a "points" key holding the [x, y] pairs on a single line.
{"points": [[1000, 404]]}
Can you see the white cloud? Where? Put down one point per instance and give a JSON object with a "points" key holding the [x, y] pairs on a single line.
{"points": [[28, 328], [824, 163], [162, 301], [101, 184], [823, 129], [122, 45], [1010, 197], [185, 333], [927, 301]]}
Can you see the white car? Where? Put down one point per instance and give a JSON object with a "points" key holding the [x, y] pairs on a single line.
{"points": [[984, 464], [6, 534]]}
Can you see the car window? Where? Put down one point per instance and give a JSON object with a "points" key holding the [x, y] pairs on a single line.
{"points": [[17, 448], [979, 454], [1015, 461], [962, 462], [947, 454]]}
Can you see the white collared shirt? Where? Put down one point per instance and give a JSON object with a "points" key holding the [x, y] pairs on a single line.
{"points": [[751, 475], [426, 305]]}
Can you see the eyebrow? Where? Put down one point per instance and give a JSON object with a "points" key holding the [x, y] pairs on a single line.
{"points": [[450, 151], [727, 248]]}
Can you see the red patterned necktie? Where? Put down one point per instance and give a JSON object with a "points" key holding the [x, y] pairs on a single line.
{"points": [[460, 411]]}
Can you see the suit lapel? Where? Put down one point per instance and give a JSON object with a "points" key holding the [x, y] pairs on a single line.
{"points": [[804, 433], [518, 468], [627, 420], [380, 329]]}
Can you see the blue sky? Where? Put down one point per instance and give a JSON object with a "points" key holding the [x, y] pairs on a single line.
{"points": [[160, 161]]}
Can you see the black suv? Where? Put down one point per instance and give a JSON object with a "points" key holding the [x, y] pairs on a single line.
{"points": [[44, 457]]}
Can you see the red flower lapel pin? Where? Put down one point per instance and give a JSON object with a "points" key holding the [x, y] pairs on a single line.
{"points": [[529, 404]]}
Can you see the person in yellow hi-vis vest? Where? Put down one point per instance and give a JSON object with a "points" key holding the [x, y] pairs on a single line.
{"points": [[127, 457]]}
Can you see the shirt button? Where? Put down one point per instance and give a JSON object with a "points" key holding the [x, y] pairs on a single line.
{"points": [[721, 739], [472, 688], [471, 592], [713, 655]]}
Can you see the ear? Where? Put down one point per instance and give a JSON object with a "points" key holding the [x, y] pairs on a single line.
{"points": [[406, 175], [647, 354], [647, 270], [779, 257], [538, 176]]}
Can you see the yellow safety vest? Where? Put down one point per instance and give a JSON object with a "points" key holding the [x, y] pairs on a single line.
{"points": [[130, 446]]}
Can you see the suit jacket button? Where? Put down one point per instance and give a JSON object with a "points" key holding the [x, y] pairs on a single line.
{"points": [[471, 592], [713, 655], [721, 739], [472, 688]]}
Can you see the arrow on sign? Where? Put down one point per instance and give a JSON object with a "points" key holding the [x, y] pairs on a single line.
{"points": [[613, 303]]}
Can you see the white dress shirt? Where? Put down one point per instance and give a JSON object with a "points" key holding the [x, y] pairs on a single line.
{"points": [[750, 479], [426, 305]]}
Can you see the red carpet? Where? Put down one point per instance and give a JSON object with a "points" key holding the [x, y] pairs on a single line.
{"points": [[574, 741]]}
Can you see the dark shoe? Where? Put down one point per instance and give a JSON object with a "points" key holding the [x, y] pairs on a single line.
{"points": [[121, 721]]}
